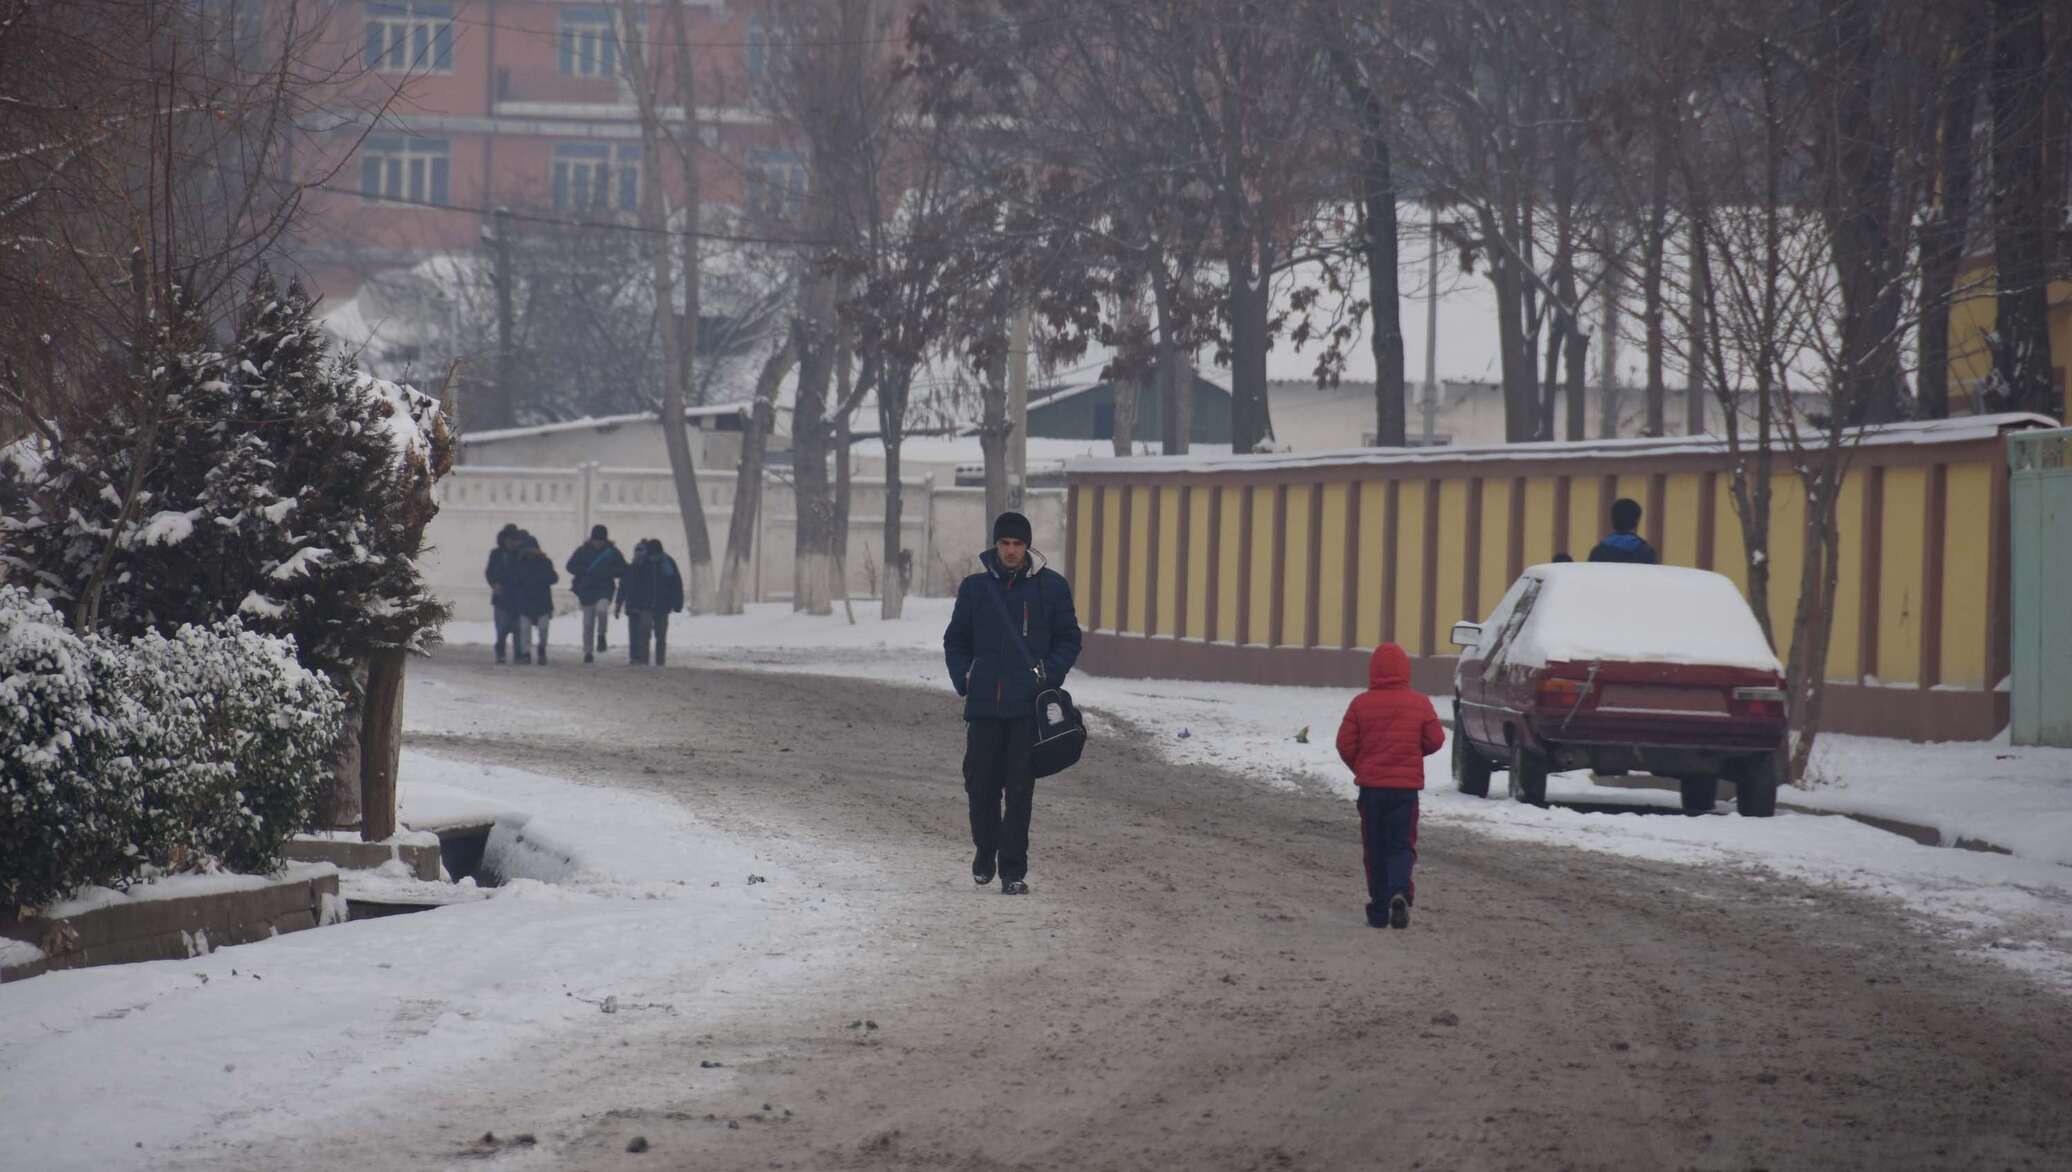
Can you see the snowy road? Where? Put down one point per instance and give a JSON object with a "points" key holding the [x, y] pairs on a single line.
{"points": [[1192, 984]]}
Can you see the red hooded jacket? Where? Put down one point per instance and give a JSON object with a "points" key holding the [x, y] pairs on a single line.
{"points": [[1388, 729]]}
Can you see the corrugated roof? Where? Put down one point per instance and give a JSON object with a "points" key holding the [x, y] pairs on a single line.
{"points": [[1965, 429]]}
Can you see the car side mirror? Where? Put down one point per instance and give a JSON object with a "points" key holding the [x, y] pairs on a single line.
{"points": [[1467, 634]]}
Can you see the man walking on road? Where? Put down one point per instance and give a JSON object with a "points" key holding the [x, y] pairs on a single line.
{"points": [[1624, 544], [593, 573], [1012, 612]]}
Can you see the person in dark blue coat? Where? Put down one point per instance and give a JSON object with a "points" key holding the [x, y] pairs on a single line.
{"points": [[593, 573], [1624, 544], [1000, 684], [501, 561], [531, 586], [650, 591]]}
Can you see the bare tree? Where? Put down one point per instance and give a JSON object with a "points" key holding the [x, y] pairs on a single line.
{"points": [[672, 138]]}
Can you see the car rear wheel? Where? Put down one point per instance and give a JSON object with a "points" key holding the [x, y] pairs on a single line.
{"points": [[1757, 782], [1528, 775], [1470, 768], [1699, 794]]}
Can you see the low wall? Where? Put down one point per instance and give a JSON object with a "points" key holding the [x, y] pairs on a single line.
{"points": [[1288, 569], [182, 917], [944, 526]]}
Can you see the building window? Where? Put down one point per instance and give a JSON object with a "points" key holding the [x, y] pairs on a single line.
{"points": [[776, 184], [407, 170], [597, 176], [416, 36], [589, 42]]}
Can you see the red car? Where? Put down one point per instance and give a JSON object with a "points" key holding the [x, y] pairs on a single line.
{"points": [[1619, 668]]}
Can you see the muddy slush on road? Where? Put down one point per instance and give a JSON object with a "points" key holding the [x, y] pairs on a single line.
{"points": [[1192, 984]]}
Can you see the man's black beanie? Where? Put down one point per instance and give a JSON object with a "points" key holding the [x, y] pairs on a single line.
{"points": [[1012, 526]]}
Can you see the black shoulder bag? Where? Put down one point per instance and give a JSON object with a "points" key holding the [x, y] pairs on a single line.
{"points": [[1060, 731]]}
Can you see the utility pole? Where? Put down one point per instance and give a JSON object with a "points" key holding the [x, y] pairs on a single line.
{"points": [[500, 410], [1018, 408], [1431, 378]]}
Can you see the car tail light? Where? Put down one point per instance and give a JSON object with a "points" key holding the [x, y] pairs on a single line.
{"points": [[1759, 702], [1560, 692]]}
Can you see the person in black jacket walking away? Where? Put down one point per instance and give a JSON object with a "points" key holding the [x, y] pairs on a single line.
{"points": [[593, 573], [651, 591], [502, 557], [531, 587], [1625, 545], [1011, 604]]}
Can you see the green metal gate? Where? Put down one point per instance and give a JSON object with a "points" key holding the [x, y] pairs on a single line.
{"points": [[2040, 498]]}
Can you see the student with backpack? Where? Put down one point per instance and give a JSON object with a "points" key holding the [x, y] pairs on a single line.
{"points": [[1387, 733], [593, 573], [650, 592], [530, 584]]}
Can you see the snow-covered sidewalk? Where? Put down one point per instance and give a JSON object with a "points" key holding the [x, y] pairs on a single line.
{"points": [[2016, 908], [319, 1025]]}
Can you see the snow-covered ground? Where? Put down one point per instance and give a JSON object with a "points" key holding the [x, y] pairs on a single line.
{"points": [[2016, 908], [320, 1025], [313, 1029]]}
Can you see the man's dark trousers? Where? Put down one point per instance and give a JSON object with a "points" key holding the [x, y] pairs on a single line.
{"points": [[1388, 841], [997, 773]]}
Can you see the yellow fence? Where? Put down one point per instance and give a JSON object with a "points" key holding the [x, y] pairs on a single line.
{"points": [[1287, 568]]}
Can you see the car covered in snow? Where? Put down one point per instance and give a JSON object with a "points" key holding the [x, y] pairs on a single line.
{"points": [[1621, 668]]}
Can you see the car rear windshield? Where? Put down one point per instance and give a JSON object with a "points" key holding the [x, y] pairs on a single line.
{"points": [[1645, 614]]}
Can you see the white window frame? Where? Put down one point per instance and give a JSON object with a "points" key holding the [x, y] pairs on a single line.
{"points": [[406, 170], [588, 41], [409, 36], [612, 169]]}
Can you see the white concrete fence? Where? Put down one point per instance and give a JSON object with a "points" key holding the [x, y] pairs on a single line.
{"points": [[943, 526]]}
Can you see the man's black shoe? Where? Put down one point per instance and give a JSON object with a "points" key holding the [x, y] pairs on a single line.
{"points": [[1014, 887], [1399, 912], [982, 871]]}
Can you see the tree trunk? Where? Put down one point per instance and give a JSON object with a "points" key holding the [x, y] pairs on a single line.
{"points": [[1694, 361], [1520, 403], [813, 545], [1608, 405], [1123, 439], [697, 537], [1250, 425], [338, 802], [1651, 285], [381, 742], [748, 481], [2021, 233], [1378, 219], [1943, 237], [892, 392], [992, 430], [1175, 379]]}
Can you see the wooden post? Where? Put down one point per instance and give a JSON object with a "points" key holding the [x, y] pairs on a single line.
{"points": [[381, 743]]}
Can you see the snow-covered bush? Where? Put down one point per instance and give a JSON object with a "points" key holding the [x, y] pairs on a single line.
{"points": [[203, 748], [61, 823], [231, 739]]}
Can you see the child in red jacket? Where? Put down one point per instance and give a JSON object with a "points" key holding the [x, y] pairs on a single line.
{"points": [[1387, 733]]}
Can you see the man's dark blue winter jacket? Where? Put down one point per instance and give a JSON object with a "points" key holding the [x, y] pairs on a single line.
{"points": [[986, 667], [1626, 547]]}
